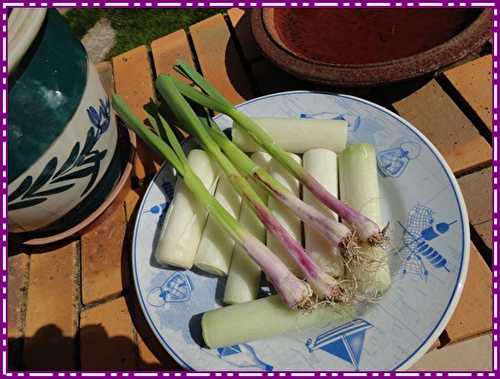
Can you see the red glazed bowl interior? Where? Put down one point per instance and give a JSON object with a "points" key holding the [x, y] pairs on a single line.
{"points": [[359, 47]]}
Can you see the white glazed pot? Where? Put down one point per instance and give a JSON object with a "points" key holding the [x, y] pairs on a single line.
{"points": [[63, 156]]}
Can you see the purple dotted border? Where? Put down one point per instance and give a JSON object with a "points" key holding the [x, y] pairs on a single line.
{"points": [[246, 4]]}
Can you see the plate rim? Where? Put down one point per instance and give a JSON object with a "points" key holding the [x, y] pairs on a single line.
{"points": [[464, 264]]}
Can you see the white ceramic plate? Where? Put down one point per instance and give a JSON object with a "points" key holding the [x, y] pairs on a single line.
{"points": [[429, 233]]}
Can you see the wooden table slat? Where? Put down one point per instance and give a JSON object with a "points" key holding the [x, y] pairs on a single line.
{"points": [[51, 314], [134, 81], [473, 81], [440, 119], [472, 316], [219, 59]]}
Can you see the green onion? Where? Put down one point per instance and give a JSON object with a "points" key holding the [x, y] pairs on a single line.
{"points": [[367, 229], [335, 232], [294, 292], [324, 286]]}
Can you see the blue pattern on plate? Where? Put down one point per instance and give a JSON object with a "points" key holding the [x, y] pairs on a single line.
{"points": [[345, 342], [420, 229], [393, 161], [242, 356]]}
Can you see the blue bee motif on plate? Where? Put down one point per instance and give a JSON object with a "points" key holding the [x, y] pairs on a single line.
{"points": [[393, 162], [353, 121], [418, 233], [345, 342], [242, 356], [176, 289]]}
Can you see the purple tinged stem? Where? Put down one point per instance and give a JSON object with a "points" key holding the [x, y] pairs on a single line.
{"points": [[366, 228], [331, 229]]}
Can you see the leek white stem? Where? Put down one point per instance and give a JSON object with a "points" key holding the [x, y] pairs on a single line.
{"points": [[183, 225], [216, 247], [244, 276], [322, 165], [296, 135], [265, 318], [360, 189]]}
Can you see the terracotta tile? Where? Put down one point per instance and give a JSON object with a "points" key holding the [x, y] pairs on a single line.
{"points": [[476, 188], [132, 203], [485, 232], [17, 291], [219, 59], [107, 339], [16, 304], [471, 355], [472, 316], [152, 355], [240, 20], [52, 310], [134, 81], [167, 49], [102, 252], [473, 81], [439, 118]]}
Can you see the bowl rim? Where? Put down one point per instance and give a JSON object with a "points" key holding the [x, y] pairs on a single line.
{"points": [[395, 70]]}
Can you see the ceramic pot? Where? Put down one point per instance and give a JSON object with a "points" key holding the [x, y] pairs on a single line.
{"points": [[63, 156], [301, 42]]}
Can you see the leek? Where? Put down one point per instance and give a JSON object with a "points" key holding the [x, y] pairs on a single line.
{"points": [[337, 233], [294, 292], [216, 248], [265, 318], [243, 280], [183, 225], [359, 187], [324, 286], [296, 135], [367, 229], [322, 164]]}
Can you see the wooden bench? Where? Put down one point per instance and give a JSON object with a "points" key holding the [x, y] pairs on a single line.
{"points": [[73, 306]]}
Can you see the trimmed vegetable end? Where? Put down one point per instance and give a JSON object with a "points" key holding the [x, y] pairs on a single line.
{"points": [[211, 269]]}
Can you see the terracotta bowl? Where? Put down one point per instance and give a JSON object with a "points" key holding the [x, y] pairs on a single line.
{"points": [[312, 47]]}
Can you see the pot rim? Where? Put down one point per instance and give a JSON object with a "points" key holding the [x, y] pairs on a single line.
{"points": [[23, 26], [356, 75]]}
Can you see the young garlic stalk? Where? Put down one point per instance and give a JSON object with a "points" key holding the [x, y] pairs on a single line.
{"points": [[294, 292], [366, 229], [338, 234], [324, 286]]}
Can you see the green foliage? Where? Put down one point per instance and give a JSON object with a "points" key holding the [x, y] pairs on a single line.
{"points": [[136, 27]]}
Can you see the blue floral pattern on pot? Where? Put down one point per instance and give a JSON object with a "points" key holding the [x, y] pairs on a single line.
{"points": [[82, 162]]}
